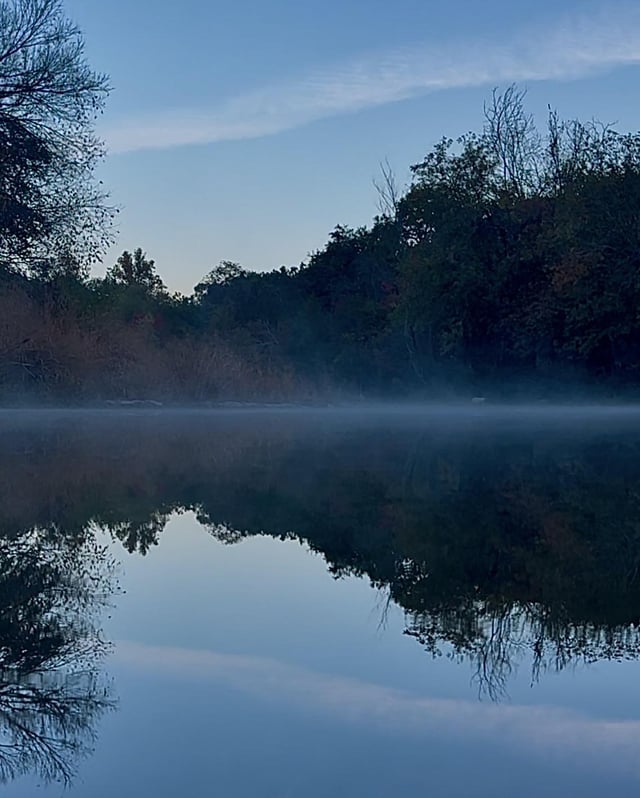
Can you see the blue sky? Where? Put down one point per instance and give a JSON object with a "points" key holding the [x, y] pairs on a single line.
{"points": [[246, 130]]}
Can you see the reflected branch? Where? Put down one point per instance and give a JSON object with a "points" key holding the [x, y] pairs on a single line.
{"points": [[52, 692]]}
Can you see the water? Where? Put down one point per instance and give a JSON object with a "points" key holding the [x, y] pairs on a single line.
{"points": [[248, 602]]}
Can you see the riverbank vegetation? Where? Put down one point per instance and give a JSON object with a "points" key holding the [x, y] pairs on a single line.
{"points": [[511, 258]]}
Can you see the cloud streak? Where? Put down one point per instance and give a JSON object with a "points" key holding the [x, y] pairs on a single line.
{"points": [[547, 732], [567, 50]]}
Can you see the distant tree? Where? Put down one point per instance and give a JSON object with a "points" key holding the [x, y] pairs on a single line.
{"points": [[50, 202], [136, 270], [222, 274]]}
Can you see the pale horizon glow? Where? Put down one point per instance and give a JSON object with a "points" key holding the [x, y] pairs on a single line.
{"points": [[572, 49]]}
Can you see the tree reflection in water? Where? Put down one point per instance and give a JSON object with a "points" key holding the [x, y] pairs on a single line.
{"points": [[496, 639], [504, 543], [52, 691]]}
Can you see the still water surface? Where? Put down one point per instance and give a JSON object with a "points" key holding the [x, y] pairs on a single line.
{"points": [[305, 603]]}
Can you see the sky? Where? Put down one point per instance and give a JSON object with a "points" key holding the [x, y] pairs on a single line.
{"points": [[246, 130]]}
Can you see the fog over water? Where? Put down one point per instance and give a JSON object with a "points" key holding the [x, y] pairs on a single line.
{"points": [[461, 409]]}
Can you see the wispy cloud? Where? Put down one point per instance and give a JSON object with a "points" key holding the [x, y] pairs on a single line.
{"points": [[545, 731], [564, 50]]}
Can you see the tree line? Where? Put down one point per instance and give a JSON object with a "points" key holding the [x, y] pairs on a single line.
{"points": [[511, 258]]}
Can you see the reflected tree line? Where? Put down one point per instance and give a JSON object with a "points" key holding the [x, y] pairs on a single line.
{"points": [[505, 547]]}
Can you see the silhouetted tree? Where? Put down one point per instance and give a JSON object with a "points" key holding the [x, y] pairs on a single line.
{"points": [[136, 270], [50, 204]]}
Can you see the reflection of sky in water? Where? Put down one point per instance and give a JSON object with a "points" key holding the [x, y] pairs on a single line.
{"points": [[246, 670]]}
